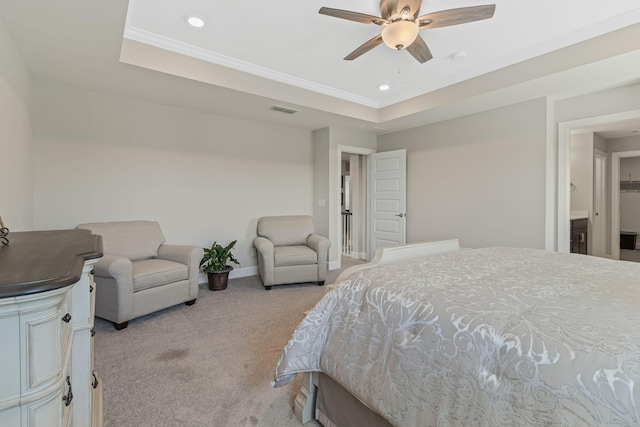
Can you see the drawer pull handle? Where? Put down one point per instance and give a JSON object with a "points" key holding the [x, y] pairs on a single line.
{"points": [[94, 384], [93, 272], [90, 288], [66, 318], [93, 332], [69, 397]]}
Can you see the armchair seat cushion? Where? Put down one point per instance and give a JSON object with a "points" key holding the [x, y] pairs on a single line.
{"points": [[150, 273], [294, 255]]}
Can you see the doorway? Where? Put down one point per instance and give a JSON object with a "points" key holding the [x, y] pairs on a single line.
{"points": [[565, 131], [352, 210], [616, 206]]}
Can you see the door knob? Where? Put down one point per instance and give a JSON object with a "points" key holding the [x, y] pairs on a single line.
{"points": [[401, 215]]}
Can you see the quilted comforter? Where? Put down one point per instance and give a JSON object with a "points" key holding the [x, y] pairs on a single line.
{"points": [[482, 337]]}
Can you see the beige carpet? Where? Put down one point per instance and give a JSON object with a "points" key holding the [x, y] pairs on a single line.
{"points": [[205, 365]]}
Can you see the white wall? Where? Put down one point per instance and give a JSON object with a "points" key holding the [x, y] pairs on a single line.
{"points": [[204, 177], [321, 145], [480, 178], [582, 172], [16, 146], [617, 145], [612, 101]]}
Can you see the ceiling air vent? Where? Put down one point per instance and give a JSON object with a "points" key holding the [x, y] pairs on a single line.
{"points": [[285, 110], [379, 130]]}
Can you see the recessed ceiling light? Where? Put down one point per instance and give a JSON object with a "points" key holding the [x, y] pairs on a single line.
{"points": [[195, 21], [383, 87]]}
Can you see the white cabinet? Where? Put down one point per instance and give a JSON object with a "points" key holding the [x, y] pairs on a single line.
{"points": [[46, 354]]}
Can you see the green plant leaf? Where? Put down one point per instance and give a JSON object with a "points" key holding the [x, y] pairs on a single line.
{"points": [[217, 257]]}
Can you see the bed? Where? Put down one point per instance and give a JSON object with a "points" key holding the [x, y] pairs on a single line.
{"points": [[432, 335]]}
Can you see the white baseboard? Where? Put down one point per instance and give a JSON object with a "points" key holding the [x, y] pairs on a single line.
{"points": [[334, 265], [359, 255], [244, 272]]}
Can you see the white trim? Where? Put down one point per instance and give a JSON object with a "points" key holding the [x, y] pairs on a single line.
{"points": [[564, 164], [355, 150], [615, 199], [156, 40], [243, 272], [601, 213]]}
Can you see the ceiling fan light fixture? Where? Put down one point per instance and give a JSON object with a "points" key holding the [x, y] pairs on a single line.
{"points": [[400, 34]]}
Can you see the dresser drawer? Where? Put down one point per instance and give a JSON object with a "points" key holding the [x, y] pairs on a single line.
{"points": [[46, 411], [45, 342]]}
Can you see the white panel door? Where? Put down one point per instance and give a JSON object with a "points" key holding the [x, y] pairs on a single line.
{"points": [[388, 197]]}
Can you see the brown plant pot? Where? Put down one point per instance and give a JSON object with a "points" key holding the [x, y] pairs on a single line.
{"points": [[218, 279]]}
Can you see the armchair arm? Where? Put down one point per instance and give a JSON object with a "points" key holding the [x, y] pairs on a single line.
{"points": [[114, 294], [114, 267], [188, 255], [321, 245], [264, 248]]}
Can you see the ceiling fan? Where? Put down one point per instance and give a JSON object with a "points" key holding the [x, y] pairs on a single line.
{"points": [[400, 22]]}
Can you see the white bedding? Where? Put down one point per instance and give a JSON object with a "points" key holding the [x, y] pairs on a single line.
{"points": [[482, 337]]}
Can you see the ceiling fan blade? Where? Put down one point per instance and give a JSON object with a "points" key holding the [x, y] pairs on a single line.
{"points": [[389, 8], [352, 16], [445, 18], [366, 47], [419, 50]]}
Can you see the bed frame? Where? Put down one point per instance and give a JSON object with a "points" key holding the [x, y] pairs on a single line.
{"points": [[305, 403]]}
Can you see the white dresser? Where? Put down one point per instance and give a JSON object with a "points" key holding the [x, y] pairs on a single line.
{"points": [[47, 376]]}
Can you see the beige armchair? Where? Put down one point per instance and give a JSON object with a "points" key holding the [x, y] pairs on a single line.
{"points": [[289, 251], [138, 273]]}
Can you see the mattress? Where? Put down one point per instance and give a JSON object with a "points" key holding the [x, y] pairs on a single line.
{"points": [[482, 337]]}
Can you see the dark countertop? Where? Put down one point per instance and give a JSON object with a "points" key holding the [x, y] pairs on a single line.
{"points": [[39, 261]]}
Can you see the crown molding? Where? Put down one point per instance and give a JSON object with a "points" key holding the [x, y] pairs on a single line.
{"points": [[162, 42]]}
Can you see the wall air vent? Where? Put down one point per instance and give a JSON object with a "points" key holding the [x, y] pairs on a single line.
{"points": [[282, 109]]}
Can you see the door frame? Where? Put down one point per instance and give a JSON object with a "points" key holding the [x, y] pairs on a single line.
{"points": [[599, 230], [615, 198], [338, 214]]}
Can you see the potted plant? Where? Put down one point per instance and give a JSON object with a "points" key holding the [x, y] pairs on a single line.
{"points": [[214, 263]]}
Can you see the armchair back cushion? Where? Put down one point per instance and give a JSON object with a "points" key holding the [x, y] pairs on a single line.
{"points": [[289, 230], [135, 240]]}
